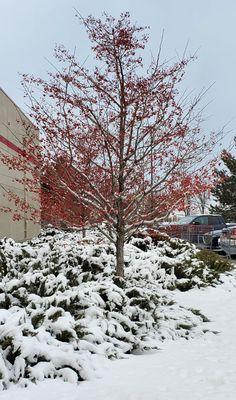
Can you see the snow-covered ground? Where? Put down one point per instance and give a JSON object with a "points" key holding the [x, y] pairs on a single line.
{"points": [[203, 368]]}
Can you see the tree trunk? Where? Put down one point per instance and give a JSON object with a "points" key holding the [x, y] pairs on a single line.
{"points": [[120, 240], [83, 232], [120, 254]]}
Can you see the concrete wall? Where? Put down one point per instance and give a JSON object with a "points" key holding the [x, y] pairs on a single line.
{"points": [[11, 138]]}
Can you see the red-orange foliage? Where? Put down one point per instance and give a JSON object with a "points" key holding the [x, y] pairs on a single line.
{"points": [[117, 140]]}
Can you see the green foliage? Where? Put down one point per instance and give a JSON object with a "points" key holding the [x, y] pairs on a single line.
{"points": [[80, 330], [65, 336], [203, 269], [5, 301], [54, 316], [225, 191], [200, 314], [216, 264], [6, 342], [184, 285], [37, 319], [184, 326]]}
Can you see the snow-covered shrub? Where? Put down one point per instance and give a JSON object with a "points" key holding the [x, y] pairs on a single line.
{"points": [[215, 264], [62, 306], [183, 262]]}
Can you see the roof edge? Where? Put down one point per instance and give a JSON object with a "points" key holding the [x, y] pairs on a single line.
{"points": [[18, 108]]}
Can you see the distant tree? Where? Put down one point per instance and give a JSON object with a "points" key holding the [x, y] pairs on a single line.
{"points": [[225, 191], [187, 205], [131, 146], [200, 202]]}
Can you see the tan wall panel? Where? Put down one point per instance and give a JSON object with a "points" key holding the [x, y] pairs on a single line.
{"points": [[12, 130]]}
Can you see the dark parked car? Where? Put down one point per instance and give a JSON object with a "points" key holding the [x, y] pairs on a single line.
{"points": [[198, 229]]}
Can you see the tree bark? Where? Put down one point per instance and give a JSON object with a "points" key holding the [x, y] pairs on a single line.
{"points": [[120, 240], [120, 253]]}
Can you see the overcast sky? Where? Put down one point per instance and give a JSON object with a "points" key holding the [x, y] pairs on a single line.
{"points": [[29, 30]]}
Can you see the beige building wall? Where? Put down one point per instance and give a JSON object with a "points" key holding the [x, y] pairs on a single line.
{"points": [[14, 132]]}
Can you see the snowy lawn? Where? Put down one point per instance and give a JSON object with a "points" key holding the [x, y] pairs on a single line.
{"points": [[203, 368]]}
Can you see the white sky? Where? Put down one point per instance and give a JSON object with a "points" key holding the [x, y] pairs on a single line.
{"points": [[29, 30]]}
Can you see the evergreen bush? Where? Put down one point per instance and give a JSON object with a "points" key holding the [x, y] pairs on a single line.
{"points": [[62, 306]]}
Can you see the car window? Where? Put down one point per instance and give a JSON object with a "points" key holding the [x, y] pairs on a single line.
{"points": [[202, 220], [214, 220], [186, 220]]}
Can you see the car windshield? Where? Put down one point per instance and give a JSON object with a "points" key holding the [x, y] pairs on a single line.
{"points": [[186, 220]]}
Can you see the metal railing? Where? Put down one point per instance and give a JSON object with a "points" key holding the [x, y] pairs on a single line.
{"points": [[191, 233], [197, 235], [228, 245]]}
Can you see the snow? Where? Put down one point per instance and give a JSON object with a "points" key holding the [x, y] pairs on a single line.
{"points": [[201, 368], [63, 307]]}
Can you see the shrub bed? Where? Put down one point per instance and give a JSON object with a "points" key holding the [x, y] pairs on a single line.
{"points": [[62, 306]]}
